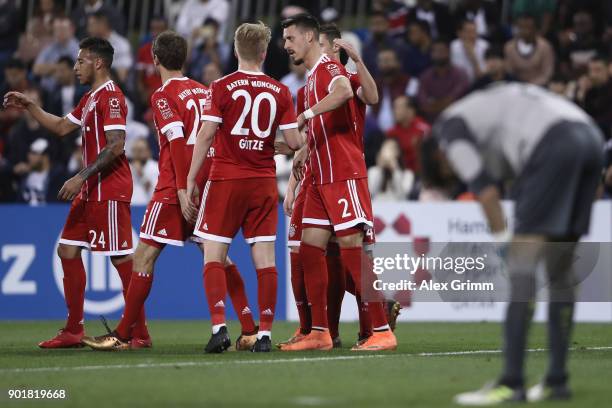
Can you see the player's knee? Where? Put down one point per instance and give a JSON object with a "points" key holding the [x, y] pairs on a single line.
{"points": [[350, 241], [68, 251]]}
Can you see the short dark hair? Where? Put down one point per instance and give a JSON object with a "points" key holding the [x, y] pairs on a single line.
{"points": [[99, 46], [303, 21], [528, 16], [331, 31], [15, 63], [66, 60], [171, 50]]}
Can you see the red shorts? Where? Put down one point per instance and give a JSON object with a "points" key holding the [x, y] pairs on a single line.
{"points": [[100, 226], [164, 223], [342, 205], [228, 205]]}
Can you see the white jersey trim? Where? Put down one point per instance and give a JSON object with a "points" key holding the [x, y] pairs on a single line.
{"points": [[293, 125], [352, 223], [162, 240], [74, 243], [171, 125], [114, 127], [315, 221], [74, 120], [334, 79], [261, 238], [293, 243], [250, 72], [211, 118], [211, 237]]}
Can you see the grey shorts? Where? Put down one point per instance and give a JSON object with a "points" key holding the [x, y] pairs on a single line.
{"points": [[556, 189]]}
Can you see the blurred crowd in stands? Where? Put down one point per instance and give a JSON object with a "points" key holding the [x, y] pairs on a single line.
{"points": [[424, 55]]}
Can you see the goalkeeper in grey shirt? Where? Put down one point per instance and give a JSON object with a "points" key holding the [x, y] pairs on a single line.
{"points": [[553, 153]]}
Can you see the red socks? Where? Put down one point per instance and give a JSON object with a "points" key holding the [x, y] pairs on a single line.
{"points": [[299, 292], [74, 292], [315, 277], [352, 258], [235, 289], [365, 323], [125, 273], [137, 293], [215, 286], [267, 282], [335, 290]]}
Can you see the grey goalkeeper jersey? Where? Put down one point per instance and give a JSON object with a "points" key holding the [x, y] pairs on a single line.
{"points": [[495, 131]]}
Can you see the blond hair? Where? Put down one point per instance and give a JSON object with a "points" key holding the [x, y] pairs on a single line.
{"points": [[251, 40]]}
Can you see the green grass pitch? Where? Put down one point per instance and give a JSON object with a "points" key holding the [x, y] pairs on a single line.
{"points": [[423, 372]]}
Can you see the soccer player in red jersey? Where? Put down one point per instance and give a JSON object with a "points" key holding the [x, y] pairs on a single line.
{"points": [[99, 217], [331, 44], [338, 200], [245, 110], [177, 108]]}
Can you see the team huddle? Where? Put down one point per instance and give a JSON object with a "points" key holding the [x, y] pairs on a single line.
{"points": [[217, 176]]}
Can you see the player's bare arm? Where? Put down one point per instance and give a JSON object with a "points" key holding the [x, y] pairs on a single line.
{"points": [[115, 141], [339, 94], [298, 163], [204, 140], [290, 195], [179, 163], [368, 93], [59, 126], [489, 199], [294, 138]]}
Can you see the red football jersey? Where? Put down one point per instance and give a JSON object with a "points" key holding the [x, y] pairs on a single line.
{"points": [[249, 107], [99, 111], [336, 149], [360, 106], [178, 103]]}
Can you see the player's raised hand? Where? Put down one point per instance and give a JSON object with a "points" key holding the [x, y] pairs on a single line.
{"points": [[348, 47], [17, 100], [71, 188], [188, 208]]}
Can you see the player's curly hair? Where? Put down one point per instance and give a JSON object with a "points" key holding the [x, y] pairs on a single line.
{"points": [[171, 50], [251, 40]]}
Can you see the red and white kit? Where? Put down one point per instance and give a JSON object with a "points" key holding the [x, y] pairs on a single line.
{"points": [[99, 217], [339, 196], [177, 108], [241, 190], [295, 225]]}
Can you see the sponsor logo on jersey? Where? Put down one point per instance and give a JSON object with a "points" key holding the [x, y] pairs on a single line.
{"points": [[162, 232], [205, 227], [114, 108], [220, 304], [164, 108], [267, 312], [246, 310], [333, 69]]}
